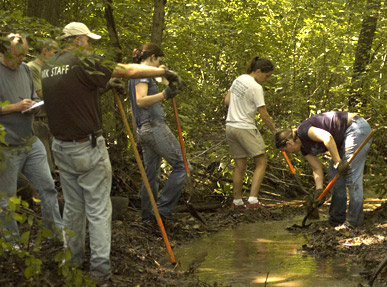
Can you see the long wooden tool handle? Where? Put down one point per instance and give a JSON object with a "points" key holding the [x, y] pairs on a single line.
{"points": [[144, 177], [289, 162], [333, 181], [180, 136]]}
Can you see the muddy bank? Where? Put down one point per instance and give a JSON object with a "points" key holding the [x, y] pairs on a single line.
{"points": [[137, 249], [366, 246]]}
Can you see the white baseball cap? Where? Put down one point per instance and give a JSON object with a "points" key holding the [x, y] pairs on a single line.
{"points": [[76, 29]]}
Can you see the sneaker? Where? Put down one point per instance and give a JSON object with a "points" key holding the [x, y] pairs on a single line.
{"points": [[344, 227], [235, 207], [254, 205]]}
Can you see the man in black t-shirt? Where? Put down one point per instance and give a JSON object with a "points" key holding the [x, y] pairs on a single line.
{"points": [[340, 133], [71, 81]]}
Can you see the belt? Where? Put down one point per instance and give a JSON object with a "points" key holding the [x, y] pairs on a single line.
{"points": [[154, 123], [356, 117], [81, 140]]}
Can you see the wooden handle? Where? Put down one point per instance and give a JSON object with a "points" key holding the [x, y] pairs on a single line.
{"points": [[180, 136], [289, 163], [144, 177], [333, 181]]}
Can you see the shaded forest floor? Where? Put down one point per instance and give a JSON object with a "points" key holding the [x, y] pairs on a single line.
{"points": [[137, 248]]}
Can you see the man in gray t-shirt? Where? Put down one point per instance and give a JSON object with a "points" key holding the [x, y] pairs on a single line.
{"points": [[22, 151]]}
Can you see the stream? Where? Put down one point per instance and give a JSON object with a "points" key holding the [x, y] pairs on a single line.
{"points": [[264, 253]]}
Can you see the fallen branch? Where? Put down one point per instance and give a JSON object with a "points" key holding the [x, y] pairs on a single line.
{"points": [[199, 207]]}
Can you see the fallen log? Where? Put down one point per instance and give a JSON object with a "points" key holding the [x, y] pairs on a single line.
{"points": [[199, 207]]}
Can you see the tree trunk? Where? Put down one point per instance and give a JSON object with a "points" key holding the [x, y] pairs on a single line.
{"points": [[49, 10], [363, 51], [122, 141], [111, 27], [158, 22]]}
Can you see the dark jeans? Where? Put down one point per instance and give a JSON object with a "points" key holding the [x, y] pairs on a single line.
{"points": [[158, 142]]}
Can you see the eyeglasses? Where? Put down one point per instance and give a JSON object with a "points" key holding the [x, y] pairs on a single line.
{"points": [[281, 143]]}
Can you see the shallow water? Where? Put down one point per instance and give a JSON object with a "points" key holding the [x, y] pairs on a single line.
{"points": [[253, 254]]}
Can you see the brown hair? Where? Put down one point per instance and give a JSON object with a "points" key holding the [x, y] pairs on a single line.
{"points": [[146, 51], [281, 137], [265, 65]]}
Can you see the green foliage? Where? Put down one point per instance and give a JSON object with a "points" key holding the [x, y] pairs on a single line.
{"points": [[28, 248], [312, 44]]}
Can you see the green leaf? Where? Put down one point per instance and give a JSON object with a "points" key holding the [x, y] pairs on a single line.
{"points": [[30, 219], [29, 272], [18, 217], [25, 204], [25, 237]]}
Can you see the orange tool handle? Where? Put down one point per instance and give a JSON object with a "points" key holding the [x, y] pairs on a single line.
{"points": [[289, 163], [180, 136], [333, 181], [144, 178]]}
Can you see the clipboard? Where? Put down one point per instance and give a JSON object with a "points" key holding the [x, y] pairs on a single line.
{"points": [[38, 104]]}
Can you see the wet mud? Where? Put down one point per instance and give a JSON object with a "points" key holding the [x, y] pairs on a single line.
{"points": [[138, 249]]}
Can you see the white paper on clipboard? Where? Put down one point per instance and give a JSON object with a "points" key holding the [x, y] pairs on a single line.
{"points": [[38, 104]]}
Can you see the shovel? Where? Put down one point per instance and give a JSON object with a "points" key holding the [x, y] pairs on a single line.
{"points": [[144, 178], [293, 171], [318, 202], [190, 207]]}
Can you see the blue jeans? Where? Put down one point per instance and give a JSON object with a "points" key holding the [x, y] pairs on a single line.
{"points": [[353, 180], [34, 165], [158, 142], [86, 178]]}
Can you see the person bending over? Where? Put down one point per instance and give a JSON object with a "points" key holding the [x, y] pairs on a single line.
{"points": [[340, 133]]}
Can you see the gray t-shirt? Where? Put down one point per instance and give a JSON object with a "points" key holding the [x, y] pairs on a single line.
{"points": [[16, 85]]}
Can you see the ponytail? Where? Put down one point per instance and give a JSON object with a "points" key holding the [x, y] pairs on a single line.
{"points": [[137, 55], [146, 51], [265, 65]]}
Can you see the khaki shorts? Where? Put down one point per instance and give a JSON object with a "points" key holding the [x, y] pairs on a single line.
{"points": [[244, 142]]}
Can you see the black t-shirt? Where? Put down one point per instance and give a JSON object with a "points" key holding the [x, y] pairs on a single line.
{"points": [[70, 83], [333, 122]]}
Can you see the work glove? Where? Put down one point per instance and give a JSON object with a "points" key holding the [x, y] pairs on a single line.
{"points": [[342, 169], [117, 84], [172, 76], [170, 91], [316, 195], [310, 200]]}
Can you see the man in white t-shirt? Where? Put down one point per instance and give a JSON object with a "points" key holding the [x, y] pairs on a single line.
{"points": [[244, 99]]}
